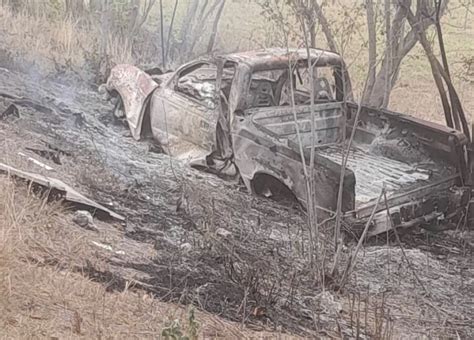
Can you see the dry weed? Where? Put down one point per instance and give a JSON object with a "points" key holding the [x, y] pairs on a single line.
{"points": [[48, 45], [42, 294]]}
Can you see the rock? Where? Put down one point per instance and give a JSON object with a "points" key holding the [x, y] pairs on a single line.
{"points": [[130, 228], [156, 148], [328, 303], [164, 243], [144, 197], [223, 232], [186, 247], [83, 219]]}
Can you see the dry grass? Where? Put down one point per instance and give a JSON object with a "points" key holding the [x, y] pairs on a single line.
{"points": [[42, 294], [57, 40], [48, 44], [416, 93]]}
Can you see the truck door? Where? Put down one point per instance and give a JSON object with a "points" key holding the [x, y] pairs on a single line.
{"points": [[186, 109]]}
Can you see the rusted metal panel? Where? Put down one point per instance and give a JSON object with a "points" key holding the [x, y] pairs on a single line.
{"points": [[374, 172], [443, 145], [177, 122], [134, 87], [438, 207], [329, 122], [55, 185], [256, 153], [281, 57]]}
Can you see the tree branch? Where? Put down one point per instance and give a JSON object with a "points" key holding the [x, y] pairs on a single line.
{"points": [[326, 28], [415, 25]]}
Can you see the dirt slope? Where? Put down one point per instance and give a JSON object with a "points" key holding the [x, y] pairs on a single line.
{"points": [[195, 239]]}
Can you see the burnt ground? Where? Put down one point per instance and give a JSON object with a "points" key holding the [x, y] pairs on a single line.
{"points": [[193, 238]]}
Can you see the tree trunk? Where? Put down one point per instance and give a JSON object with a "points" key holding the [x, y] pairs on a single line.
{"points": [[212, 38], [389, 42], [400, 45], [162, 35], [186, 27], [457, 123], [170, 31], [74, 8], [326, 28], [434, 69], [15, 6], [103, 48], [372, 50]]}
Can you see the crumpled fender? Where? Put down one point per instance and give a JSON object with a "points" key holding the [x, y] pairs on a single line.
{"points": [[134, 87]]}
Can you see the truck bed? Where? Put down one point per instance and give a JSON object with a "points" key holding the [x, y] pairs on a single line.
{"points": [[413, 159], [373, 171]]}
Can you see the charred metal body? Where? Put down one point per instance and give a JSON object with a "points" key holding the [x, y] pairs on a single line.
{"points": [[251, 114]]}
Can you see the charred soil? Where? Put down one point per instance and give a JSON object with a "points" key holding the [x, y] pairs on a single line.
{"points": [[192, 238]]}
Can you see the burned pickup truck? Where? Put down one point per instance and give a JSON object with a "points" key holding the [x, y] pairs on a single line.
{"points": [[258, 114]]}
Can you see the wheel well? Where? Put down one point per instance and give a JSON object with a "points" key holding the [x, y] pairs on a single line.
{"points": [[271, 187]]}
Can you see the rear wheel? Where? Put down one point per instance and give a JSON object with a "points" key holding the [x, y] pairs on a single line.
{"points": [[271, 187]]}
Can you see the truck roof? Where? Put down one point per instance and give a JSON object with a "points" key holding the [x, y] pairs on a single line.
{"points": [[273, 58]]}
